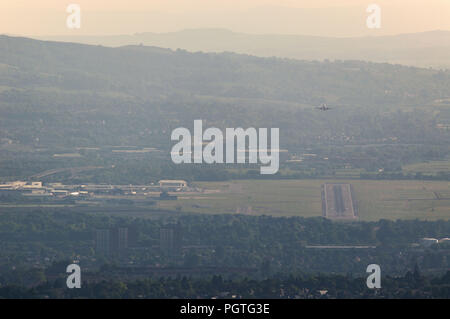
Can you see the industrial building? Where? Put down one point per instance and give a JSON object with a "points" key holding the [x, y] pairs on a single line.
{"points": [[427, 242], [170, 239], [172, 185]]}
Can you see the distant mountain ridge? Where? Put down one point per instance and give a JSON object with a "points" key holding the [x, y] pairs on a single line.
{"points": [[426, 49]]}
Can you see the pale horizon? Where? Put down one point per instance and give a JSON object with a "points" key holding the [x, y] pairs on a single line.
{"points": [[326, 18]]}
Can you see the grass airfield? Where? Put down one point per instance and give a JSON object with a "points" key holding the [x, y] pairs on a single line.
{"points": [[376, 199]]}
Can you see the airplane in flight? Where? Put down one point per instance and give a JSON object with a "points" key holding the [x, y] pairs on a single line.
{"points": [[323, 107]]}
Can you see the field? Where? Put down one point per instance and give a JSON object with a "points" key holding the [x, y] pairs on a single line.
{"points": [[375, 199], [431, 167]]}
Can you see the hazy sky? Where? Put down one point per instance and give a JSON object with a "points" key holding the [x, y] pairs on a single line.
{"points": [[309, 17]]}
